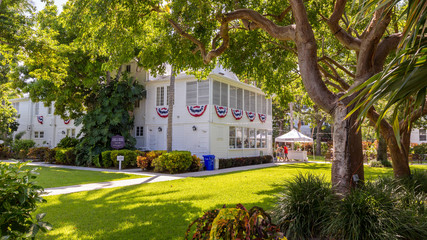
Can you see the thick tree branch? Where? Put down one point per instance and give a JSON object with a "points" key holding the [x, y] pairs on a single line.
{"points": [[284, 33], [340, 81], [384, 48], [330, 60], [282, 15], [344, 37]]}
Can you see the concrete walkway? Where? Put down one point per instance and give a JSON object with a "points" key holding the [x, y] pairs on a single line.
{"points": [[153, 177]]}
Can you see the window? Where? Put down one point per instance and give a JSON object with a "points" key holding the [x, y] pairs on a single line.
{"points": [[246, 137], [197, 93], [136, 105], [39, 135], [252, 101], [246, 103], [167, 95], [203, 94], [128, 68], [239, 102], [264, 139], [16, 106], [251, 138], [71, 132], [220, 93], [233, 97], [423, 135], [36, 108], [191, 93], [160, 97], [258, 138], [139, 132], [261, 104], [232, 137], [238, 137]]}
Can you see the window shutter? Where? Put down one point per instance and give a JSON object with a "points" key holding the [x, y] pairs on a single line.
{"points": [[191, 93], [247, 104], [233, 97], [239, 102], [224, 94], [216, 93], [203, 95]]}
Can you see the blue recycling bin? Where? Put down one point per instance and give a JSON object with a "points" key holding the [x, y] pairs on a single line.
{"points": [[209, 162]]}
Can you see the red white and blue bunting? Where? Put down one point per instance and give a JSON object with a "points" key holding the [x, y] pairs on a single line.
{"points": [[40, 119], [67, 121], [197, 110], [262, 117], [251, 115], [221, 112], [163, 112], [237, 113]]}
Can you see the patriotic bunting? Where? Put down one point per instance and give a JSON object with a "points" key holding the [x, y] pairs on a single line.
{"points": [[67, 121], [251, 115], [221, 111], [262, 117], [237, 113], [40, 119], [197, 110], [163, 112]]}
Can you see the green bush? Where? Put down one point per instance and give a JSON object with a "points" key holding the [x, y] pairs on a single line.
{"points": [[95, 160], [38, 153], [244, 161], [375, 163], [68, 142], [70, 156], [19, 197], [49, 157], [106, 159], [420, 149], [22, 144], [129, 158], [173, 162], [60, 157], [304, 206], [4, 151]]}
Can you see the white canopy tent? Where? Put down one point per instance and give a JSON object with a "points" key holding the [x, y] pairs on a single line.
{"points": [[293, 136]]}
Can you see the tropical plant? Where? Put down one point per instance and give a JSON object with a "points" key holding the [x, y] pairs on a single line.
{"points": [[235, 223], [173, 162], [68, 142], [19, 196]]}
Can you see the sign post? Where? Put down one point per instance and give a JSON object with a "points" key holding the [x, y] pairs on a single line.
{"points": [[118, 142]]}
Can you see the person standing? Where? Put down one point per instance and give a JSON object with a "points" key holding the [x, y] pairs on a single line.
{"points": [[279, 152], [285, 148]]}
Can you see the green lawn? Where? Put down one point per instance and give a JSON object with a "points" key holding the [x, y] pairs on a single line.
{"points": [[164, 210], [58, 177], [316, 158]]}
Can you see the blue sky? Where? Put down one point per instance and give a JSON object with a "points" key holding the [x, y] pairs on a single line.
{"points": [[40, 5]]}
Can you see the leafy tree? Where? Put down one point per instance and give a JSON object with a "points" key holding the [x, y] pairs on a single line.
{"points": [[108, 117]]}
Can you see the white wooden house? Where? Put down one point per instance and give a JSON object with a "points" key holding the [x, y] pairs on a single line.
{"points": [[220, 116]]}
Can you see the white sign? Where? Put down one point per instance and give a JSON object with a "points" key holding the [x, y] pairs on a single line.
{"points": [[120, 159]]}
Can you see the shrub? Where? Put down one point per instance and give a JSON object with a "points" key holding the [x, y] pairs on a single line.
{"points": [[68, 142], [95, 160], [196, 164], [244, 161], [386, 163], [22, 144], [70, 156], [235, 223], [173, 162], [106, 159], [38, 153], [4, 151], [420, 148], [19, 197], [145, 162], [129, 158], [306, 203], [60, 157], [50, 156], [375, 163]]}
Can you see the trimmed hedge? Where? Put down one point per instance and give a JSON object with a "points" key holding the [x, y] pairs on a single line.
{"points": [[173, 162], [4, 151], [60, 157], [38, 153], [129, 155], [244, 161], [105, 160], [145, 160]]}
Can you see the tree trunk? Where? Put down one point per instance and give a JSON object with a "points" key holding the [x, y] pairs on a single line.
{"points": [[381, 149], [399, 156], [348, 156], [171, 96]]}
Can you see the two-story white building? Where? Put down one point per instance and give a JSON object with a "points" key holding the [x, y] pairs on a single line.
{"points": [[220, 116]]}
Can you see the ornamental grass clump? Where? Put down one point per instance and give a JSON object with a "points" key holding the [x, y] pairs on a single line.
{"points": [[304, 207]]}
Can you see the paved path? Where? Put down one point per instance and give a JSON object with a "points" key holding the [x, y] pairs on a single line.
{"points": [[153, 177]]}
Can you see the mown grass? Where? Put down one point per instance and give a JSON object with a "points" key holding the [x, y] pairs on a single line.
{"points": [[164, 210], [57, 177]]}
